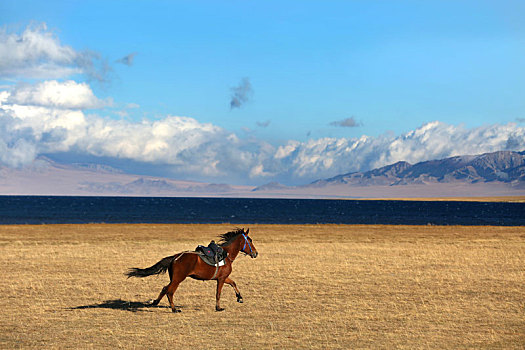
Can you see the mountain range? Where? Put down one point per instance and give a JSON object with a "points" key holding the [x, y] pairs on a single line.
{"points": [[492, 174], [504, 166]]}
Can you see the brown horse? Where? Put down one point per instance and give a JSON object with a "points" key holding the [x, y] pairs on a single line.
{"points": [[182, 265]]}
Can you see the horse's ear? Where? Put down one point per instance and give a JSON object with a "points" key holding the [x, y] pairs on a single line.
{"points": [[247, 231]]}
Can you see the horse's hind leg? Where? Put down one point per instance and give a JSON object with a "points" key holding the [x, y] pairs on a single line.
{"points": [[237, 292], [161, 295], [178, 271], [164, 290], [177, 275]]}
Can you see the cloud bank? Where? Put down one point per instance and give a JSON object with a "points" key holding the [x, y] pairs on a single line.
{"points": [[57, 123], [52, 117], [435, 140]]}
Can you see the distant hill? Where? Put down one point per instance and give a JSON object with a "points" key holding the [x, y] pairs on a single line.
{"points": [[272, 186], [47, 177], [487, 175], [504, 166]]}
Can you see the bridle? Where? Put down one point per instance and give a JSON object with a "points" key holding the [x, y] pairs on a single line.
{"points": [[243, 248], [249, 245]]}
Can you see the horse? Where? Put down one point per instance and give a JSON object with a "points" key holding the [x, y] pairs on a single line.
{"points": [[190, 264]]}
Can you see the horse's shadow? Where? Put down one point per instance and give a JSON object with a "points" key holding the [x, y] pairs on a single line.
{"points": [[119, 304]]}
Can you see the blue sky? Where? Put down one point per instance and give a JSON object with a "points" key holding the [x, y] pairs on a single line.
{"points": [[344, 70]]}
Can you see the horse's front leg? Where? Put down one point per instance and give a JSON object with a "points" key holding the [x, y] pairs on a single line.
{"points": [[220, 283], [237, 292]]}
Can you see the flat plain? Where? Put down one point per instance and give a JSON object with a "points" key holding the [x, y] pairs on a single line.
{"points": [[312, 287]]}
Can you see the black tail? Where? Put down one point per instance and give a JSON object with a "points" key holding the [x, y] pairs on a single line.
{"points": [[156, 269]]}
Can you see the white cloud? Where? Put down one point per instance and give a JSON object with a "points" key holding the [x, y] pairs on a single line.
{"points": [[163, 141], [67, 95], [37, 53], [17, 145]]}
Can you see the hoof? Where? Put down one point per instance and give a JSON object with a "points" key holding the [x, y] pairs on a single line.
{"points": [[152, 302], [239, 300], [175, 310], [218, 309]]}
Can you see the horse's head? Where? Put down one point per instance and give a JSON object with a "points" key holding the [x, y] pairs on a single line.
{"points": [[247, 246]]}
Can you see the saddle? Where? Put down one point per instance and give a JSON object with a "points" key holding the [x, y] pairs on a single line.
{"points": [[212, 255]]}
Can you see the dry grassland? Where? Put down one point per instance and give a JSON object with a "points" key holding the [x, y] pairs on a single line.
{"points": [[312, 286]]}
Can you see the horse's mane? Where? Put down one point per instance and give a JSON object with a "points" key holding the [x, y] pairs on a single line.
{"points": [[229, 237]]}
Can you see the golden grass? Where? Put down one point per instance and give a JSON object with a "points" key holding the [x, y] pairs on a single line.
{"points": [[312, 286]]}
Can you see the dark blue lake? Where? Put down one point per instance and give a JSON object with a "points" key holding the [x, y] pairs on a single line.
{"points": [[59, 210]]}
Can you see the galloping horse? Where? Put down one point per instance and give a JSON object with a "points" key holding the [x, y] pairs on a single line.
{"points": [[182, 265]]}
